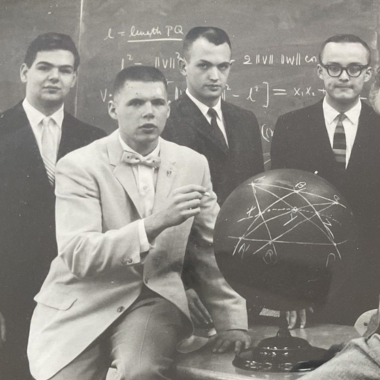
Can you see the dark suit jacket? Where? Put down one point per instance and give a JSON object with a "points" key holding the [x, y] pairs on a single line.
{"points": [[187, 126], [27, 202], [301, 141]]}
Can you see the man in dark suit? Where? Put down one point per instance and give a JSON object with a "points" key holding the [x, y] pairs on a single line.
{"points": [[339, 139], [228, 135], [33, 136]]}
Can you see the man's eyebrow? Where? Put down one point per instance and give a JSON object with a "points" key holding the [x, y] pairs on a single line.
{"points": [[51, 65], [351, 63], [204, 61]]}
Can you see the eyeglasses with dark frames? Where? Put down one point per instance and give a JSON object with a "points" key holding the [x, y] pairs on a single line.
{"points": [[353, 70]]}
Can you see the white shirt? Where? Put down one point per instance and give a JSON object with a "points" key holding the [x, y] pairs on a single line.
{"points": [[204, 109], [350, 124], [35, 118], [146, 178]]}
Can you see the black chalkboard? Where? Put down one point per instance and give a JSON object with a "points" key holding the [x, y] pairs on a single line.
{"points": [[274, 43], [21, 21]]}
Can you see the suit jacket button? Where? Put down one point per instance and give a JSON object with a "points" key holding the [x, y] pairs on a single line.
{"points": [[120, 309]]}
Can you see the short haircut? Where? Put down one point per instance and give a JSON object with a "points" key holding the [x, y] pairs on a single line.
{"points": [[137, 74], [51, 41], [212, 34], [345, 38]]}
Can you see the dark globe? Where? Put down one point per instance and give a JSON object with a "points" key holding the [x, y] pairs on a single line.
{"points": [[285, 239]]}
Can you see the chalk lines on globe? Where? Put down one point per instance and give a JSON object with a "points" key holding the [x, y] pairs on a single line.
{"points": [[263, 234]]}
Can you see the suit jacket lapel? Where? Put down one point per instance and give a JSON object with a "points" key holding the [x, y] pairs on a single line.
{"points": [[320, 138], [361, 139], [197, 121], [166, 174], [68, 134], [122, 171], [28, 153]]}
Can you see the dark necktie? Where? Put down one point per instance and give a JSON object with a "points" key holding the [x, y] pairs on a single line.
{"points": [[339, 144], [135, 159], [215, 130]]}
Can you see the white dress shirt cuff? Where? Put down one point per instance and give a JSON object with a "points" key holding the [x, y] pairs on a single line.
{"points": [[145, 246]]}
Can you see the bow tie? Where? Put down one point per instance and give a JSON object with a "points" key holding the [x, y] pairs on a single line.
{"points": [[135, 159]]}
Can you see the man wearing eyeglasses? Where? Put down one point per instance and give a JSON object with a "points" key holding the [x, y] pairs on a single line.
{"points": [[339, 139]]}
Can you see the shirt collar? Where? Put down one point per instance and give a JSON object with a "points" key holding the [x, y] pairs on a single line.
{"points": [[352, 114], [35, 116], [127, 148], [203, 108]]}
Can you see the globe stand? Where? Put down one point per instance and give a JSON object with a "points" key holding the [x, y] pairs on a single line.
{"points": [[282, 353]]}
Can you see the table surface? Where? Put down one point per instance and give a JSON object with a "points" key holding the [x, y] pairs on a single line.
{"points": [[205, 365]]}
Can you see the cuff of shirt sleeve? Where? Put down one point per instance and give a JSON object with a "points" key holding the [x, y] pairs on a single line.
{"points": [[145, 246]]}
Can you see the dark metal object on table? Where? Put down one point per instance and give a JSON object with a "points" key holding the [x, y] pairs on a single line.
{"points": [[282, 353]]}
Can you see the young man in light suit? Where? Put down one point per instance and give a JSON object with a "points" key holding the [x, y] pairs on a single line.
{"points": [[127, 206], [27, 159], [338, 139]]}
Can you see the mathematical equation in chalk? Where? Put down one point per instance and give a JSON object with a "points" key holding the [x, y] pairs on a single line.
{"points": [[266, 92], [296, 59], [156, 33], [263, 92]]}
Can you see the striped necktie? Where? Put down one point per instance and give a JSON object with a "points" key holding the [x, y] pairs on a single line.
{"points": [[49, 147], [339, 144]]}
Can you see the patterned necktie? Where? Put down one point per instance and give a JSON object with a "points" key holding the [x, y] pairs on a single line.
{"points": [[216, 132], [49, 147], [135, 159], [339, 144]]}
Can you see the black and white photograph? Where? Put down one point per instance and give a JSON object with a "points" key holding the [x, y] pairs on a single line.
{"points": [[189, 190]]}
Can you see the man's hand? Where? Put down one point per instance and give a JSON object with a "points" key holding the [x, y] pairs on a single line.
{"points": [[224, 339], [184, 203], [291, 317], [3, 331], [198, 311]]}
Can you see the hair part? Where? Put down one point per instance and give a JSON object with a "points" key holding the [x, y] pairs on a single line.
{"points": [[345, 38], [137, 74], [51, 41], [212, 34]]}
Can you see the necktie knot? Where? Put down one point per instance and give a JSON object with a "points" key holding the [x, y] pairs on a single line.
{"points": [[136, 159], [212, 113], [46, 122], [341, 117]]}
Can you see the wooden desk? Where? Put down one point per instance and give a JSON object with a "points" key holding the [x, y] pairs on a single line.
{"points": [[205, 365]]}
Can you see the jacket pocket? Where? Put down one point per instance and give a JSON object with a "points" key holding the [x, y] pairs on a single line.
{"points": [[56, 299]]}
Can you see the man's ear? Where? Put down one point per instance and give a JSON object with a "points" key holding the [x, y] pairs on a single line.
{"points": [[112, 109], [74, 79], [182, 66], [368, 74], [320, 71], [23, 73]]}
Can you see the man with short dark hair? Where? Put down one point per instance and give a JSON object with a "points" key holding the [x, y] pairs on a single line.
{"points": [[33, 136], [127, 206], [226, 134], [338, 139]]}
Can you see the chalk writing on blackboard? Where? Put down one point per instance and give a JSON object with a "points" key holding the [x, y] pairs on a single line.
{"points": [[156, 33]]}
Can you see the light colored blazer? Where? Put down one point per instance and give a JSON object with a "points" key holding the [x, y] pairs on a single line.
{"points": [[100, 270]]}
